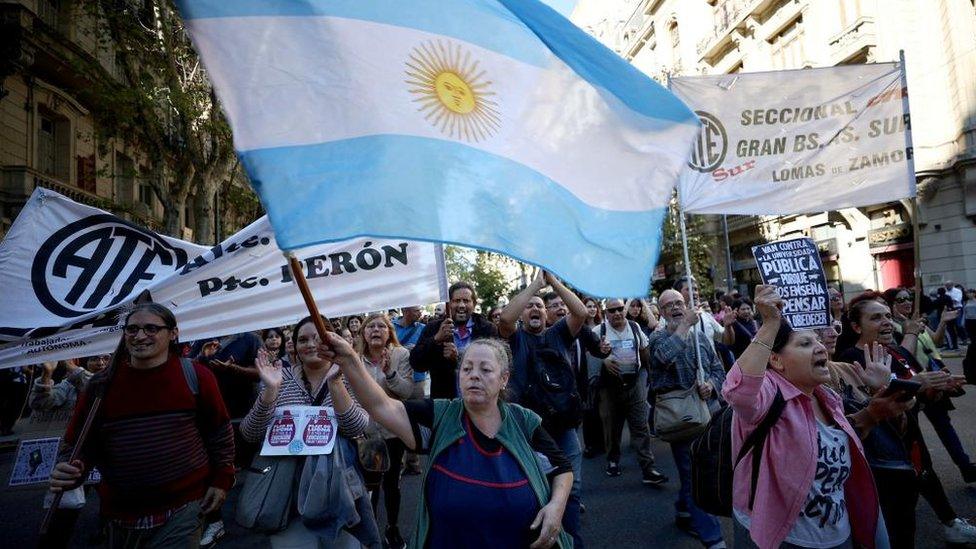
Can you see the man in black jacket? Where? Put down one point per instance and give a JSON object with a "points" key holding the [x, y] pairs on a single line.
{"points": [[443, 341]]}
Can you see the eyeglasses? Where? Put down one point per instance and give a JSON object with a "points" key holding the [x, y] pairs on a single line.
{"points": [[904, 300], [148, 329], [672, 305], [615, 310]]}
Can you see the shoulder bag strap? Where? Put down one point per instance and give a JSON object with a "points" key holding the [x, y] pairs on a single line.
{"points": [[635, 330], [757, 440], [190, 373]]}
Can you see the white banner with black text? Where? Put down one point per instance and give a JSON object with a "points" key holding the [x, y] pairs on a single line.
{"points": [[68, 271], [797, 141]]}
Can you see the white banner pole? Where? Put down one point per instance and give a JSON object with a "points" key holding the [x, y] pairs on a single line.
{"points": [[691, 289], [910, 163]]}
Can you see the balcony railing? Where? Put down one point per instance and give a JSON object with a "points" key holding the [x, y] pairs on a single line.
{"points": [[33, 179], [47, 11], [728, 14]]}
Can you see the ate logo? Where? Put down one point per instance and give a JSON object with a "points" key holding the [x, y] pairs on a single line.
{"points": [[711, 146], [98, 261]]}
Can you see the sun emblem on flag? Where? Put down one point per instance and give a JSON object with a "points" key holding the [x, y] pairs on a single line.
{"points": [[453, 93]]}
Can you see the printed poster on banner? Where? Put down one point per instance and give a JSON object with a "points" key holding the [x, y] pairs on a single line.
{"points": [[798, 141], [794, 267], [301, 431], [70, 271]]}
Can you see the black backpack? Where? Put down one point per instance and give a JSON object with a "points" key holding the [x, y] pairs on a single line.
{"points": [[552, 391], [711, 458]]}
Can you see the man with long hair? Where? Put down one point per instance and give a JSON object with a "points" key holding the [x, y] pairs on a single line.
{"points": [[161, 438]]}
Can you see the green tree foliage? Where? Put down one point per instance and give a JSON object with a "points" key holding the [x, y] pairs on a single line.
{"points": [[160, 101], [699, 243], [489, 272]]}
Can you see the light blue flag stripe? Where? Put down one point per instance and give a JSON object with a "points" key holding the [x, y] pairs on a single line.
{"points": [[520, 29], [429, 189]]}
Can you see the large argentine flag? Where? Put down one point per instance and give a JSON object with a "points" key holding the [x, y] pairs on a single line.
{"points": [[489, 123]]}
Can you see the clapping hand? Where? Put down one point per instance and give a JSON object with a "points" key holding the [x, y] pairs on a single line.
{"points": [[933, 381], [210, 348], [949, 315]]}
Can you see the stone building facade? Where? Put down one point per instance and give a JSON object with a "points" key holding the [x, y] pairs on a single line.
{"points": [[50, 54], [868, 247]]}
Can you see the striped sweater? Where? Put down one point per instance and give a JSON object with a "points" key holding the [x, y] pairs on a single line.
{"points": [[156, 444], [352, 423]]}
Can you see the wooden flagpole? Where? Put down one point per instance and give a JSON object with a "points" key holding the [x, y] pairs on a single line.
{"points": [[298, 275]]}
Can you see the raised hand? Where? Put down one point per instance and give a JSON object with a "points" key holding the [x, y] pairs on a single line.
{"points": [[269, 371], [548, 279], [210, 348], [48, 372], [913, 326], [877, 367], [768, 302], [445, 332], [337, 350], [728, 317], [690, 318]]}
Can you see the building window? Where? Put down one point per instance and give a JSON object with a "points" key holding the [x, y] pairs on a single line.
{"points": [[53, 146], [125, 175], [49, 12], [675, 42], [787, 46], [849, 11], [146, 195], [85, 173]]}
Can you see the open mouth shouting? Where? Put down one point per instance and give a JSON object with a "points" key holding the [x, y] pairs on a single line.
{"points": [[535, 319]]}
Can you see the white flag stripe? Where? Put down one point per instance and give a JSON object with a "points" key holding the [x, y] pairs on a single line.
{"points": [[584, 136]]}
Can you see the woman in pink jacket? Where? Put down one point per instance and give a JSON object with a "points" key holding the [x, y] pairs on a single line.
{"points": [[815, 488]]}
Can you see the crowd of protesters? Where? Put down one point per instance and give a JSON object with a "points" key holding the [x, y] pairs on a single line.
{"points": [[497, 412]]}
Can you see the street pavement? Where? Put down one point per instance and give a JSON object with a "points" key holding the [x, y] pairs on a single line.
{"points": [[620, 512]]}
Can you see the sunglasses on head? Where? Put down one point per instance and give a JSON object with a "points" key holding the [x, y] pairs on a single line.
{"points": [[615, 310]]}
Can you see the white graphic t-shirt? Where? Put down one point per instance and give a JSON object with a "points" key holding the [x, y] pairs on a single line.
{"points": [[823, 520]]}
